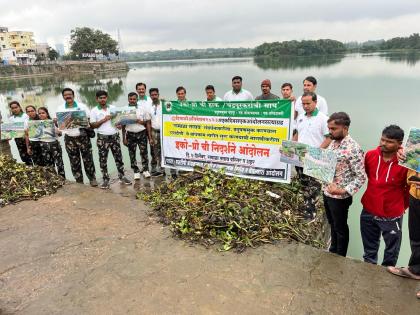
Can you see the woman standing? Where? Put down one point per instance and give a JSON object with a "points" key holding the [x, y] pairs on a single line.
{"points": [[19, 116], [51, 153], [32, 144]]}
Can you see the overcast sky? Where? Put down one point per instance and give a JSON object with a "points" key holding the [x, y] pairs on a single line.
{"points": [[180, 24]]}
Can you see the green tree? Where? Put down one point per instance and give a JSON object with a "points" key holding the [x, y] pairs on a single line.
{"points": [[52, 54], [88, 40]]}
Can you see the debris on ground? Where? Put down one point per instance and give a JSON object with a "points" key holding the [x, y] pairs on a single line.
{"points": [[208, 207], [21, 182]]}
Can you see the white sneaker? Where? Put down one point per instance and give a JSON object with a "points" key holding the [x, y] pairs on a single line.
{"points": [[136, 176], [146, 174]]}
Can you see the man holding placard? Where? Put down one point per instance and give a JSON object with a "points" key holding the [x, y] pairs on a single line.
{"points": [[77, 141], [108, 138], [136, 134], [312, 129], [349, 177], [385, 199]]}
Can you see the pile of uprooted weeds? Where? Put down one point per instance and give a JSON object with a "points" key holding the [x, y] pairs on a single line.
{"points": [[21, 182], [209, 207]]}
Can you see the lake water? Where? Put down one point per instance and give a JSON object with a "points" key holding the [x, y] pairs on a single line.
{"points": [[375, 90]]}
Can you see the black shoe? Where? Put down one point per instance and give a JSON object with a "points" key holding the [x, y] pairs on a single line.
{"points": [[156, 173], [105, 184]]}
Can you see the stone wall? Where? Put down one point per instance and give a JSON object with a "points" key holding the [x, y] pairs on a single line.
{"points": [[63, 68]]}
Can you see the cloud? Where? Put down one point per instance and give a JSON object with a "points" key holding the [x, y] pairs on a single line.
{"points": [[183, 24]]}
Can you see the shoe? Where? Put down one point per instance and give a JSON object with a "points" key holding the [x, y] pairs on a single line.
{"points": [[156, 173], [125, 180], [105, 184], [136, 176], [93, 183], [146, 174]]}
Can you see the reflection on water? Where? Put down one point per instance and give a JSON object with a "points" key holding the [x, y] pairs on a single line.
{"points": [[290, 62], [87, 90], [409, 57], [187, 63]]}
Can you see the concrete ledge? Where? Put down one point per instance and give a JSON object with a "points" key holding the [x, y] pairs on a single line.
{"points": [[88, 251]]}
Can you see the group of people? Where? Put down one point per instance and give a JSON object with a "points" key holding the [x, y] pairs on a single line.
{"points": [[391, 188]]}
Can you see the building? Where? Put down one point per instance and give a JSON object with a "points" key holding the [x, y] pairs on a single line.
{"points": [[8, 56], [17, 43], [42, 49]]}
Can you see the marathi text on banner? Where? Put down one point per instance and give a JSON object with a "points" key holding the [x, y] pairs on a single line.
{"points": [[243, 137]]}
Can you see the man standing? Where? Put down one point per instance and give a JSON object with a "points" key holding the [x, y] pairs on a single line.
{"points": [[156, 122], [348, 179], [309, 85], [287, 91], [385, 198], [237, 93], [312, 129], [266, 91], [211, 94], [181, 94], [77, 141], [108, 138], [137, 135], [413, 269], [143, 100]]}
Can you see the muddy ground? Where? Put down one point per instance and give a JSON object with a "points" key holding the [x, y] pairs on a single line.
{"points": [[88, 251]]}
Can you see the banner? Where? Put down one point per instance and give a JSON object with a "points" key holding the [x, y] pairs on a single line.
{"points": [[41, 129], [123, 116], [412, 150], [242, 137], [320, 164], [72, 120], [12, 130]]}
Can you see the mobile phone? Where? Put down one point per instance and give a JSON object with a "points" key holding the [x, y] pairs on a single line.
{"points": [[414, 178]]}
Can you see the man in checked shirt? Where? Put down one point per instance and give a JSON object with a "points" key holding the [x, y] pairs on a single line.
{"points": [[348, 179]]}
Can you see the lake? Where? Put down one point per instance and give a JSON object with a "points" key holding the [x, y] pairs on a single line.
{"points": [[376, 90]]}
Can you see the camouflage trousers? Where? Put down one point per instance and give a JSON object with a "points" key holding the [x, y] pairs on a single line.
{"points": [[23, 152], [156, 150], [76, 147], [36, 153], [139, 139], [106, 143], [5, 148], [311, 190], [52, 156]]}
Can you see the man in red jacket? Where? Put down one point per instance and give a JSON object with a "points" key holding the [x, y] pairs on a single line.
{"points": [[385, 198]]}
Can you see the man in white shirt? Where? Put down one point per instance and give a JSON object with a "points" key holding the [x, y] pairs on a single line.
{"points": [[237, 93], [211, 94], [108, 138], [309, 85], [156, 123], [137, 135], [181, 94], [143, 100], [312, 129], [77, 141]]}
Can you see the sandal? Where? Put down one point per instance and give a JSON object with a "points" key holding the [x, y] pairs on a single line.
{"points": [[402, 272]]}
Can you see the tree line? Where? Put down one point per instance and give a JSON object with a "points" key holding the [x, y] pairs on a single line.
{"points": [[329, 46]]}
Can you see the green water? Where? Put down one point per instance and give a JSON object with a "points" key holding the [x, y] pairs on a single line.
{"points": [[376, 90]]}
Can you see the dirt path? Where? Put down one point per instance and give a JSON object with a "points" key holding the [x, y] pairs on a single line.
{"points": [[86, 251]]}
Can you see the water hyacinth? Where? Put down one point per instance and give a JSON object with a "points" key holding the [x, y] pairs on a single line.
{"points": [[209, 207], [21, 182]]}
